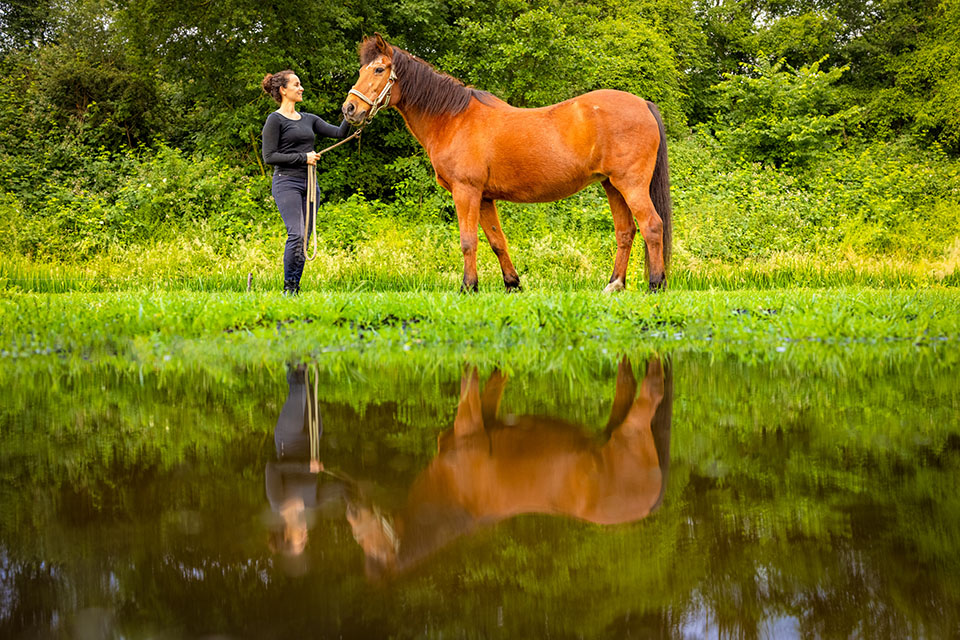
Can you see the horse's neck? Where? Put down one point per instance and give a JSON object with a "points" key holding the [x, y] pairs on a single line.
{"points": [[427, 129]]}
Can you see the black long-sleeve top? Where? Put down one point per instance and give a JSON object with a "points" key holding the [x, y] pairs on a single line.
{"points": [[286, 142]]}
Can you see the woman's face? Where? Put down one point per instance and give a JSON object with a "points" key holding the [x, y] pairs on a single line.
{"points": [[293, 91]]}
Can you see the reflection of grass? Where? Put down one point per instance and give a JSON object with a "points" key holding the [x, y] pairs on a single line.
{"points": [[155, 328]]}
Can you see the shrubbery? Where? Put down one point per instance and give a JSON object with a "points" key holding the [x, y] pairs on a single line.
{"points": [[867, 198], [782, 116], [135, 198]]}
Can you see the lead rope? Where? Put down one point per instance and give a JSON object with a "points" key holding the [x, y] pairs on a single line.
{"points": [[310, 215], [310, 220], [313, 414]]}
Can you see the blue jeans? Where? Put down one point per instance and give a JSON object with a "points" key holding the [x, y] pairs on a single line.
{"points": [[290, 194]]}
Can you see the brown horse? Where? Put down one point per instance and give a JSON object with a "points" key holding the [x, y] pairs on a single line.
{"points": [[484, 150], [488, 469]]}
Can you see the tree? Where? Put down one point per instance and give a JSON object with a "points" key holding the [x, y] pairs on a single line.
{"points": [[24, 23]]}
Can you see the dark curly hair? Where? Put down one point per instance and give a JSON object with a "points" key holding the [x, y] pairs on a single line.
{"points": [[273, 82]]}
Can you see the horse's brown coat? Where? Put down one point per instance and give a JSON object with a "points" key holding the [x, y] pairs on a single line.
{"points": [[483, 150]]}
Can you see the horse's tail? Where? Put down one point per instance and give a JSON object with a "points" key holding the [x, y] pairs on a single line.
{"points": [[660, 187]]}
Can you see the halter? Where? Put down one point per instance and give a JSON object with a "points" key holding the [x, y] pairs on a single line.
{"points": [[383, 100]]}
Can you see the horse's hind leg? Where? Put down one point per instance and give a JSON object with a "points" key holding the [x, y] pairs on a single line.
{"points": [[490, 222], [650, 225], [625, 229]]}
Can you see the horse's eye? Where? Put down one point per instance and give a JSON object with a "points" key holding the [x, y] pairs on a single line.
{"points": [[379, 70]]}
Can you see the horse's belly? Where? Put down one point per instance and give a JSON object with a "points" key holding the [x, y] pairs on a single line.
{"points": [[537, 185]]}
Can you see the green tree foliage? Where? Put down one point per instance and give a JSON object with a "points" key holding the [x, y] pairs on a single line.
{"points": [[538, 53], [926, 88], [23, 23], [781, 115]]}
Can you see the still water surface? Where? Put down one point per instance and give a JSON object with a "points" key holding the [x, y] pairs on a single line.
{"points": [[695, 499]]}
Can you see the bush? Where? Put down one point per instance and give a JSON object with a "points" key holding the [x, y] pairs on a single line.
{"points": [[887, 197], [891, 198], [727, 210], [137, 198], [781, 116]]}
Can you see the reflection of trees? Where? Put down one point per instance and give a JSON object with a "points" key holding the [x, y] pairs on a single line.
{"points": [[830, 499]]}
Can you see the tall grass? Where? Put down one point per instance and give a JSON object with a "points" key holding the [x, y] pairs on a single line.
{"points": [[384, 266]]}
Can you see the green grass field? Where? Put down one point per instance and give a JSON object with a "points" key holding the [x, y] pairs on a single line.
{"points": [[161, 329]]}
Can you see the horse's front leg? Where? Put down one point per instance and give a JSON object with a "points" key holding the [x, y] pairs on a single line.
{"points": [[467, 201]]}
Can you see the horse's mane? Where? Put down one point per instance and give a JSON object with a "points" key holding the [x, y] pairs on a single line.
{"points": [[425, 88]]}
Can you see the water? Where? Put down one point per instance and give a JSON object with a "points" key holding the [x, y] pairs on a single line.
{"points": [[699, 498]]}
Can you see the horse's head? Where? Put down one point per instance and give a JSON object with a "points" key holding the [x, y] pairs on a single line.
{"points": [[373, 90], [375, 534]]}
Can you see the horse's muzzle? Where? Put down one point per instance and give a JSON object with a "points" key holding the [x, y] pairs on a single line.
{"points": [[352, 114]]}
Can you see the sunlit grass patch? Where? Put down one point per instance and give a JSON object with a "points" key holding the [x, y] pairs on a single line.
{"points": [[429, 260]]}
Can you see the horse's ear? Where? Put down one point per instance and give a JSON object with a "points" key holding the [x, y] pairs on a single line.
{"points": [[382, 45]]}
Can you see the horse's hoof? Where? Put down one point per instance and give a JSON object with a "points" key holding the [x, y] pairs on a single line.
{"points": [[656, 286], [469, 288], [614, 286], [513, 285]]}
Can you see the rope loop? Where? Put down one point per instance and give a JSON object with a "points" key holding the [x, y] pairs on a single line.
{"points": [[310, 215]]}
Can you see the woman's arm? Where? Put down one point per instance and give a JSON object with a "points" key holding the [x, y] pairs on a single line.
{"points": [[324, 128], [271, 142]]}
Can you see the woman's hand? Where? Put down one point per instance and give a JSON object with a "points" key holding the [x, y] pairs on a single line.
{"points": [[312, 157]]}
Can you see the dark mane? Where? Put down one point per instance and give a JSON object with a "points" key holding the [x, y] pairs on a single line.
{"points": [[425, 88]]}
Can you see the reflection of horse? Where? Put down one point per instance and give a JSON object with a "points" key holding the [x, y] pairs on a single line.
{"points": [[484, 150], [488, 469]]}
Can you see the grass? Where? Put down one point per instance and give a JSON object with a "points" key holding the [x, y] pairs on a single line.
{"points": [[158, 330], [572, 266]]}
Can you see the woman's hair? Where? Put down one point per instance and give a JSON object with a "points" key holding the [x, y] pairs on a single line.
{"points": [[273, 82]]}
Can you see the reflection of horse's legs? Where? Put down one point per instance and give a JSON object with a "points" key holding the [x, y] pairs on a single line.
{"points": [[492, 392], [630, 461], [469, 418], [490, 222], [471, 413], [624, 394], [653, 386], [625, 229], [640, 415], [637, 194], [467, 201]]}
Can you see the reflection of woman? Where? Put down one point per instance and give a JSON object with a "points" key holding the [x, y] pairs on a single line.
{"points": [[292, 479], [288, 139]]}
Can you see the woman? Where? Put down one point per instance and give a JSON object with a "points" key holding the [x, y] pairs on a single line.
{"points": [[288, 140]]}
